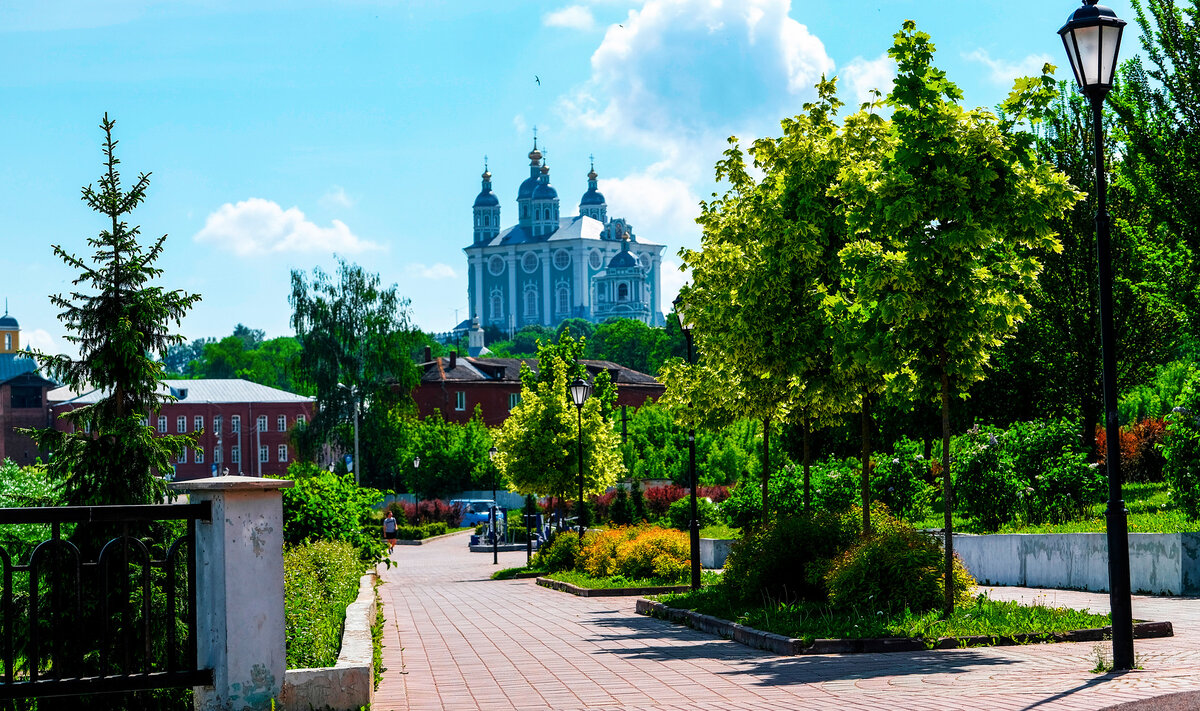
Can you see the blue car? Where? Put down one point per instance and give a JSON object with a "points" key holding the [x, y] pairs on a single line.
{"points": [[475, 511]]}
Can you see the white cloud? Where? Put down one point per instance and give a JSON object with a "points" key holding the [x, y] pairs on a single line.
{"points": [[576, 17], [1004, 72], [336, 197], [660, 208], [860, 76], [677, 73], [521, 125], [39, 339], [673, 279], [436, 271], [257, 226]]}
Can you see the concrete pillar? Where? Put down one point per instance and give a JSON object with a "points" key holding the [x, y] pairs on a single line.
{"points": [[239, 591]]}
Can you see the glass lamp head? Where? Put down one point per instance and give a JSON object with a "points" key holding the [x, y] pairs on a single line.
{"points": [[1092, 38]]}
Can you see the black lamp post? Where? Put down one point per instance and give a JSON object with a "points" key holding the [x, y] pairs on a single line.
{"points": [[1092, 38], [580, 390], [416, 465], [495, 520], [685, 325]]}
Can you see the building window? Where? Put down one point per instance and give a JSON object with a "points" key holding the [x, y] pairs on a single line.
{"points": [[622, 292], [8, 341], [300, 421], [162, 424], [281, 423], [531, 299], [487, 221], [182, 456], [529, 262], [460, 400], [496, 265], [497, 307], [262, 423], [87, 428], [198, 423], [564, 300], [216, 424], [199, 455], [217, 455], [181, 424], [514, 399], [25, 397], [235, 424], [145, 422], [562, 259], [264, 453], [594, 260], [283, 453], [235, 454]]}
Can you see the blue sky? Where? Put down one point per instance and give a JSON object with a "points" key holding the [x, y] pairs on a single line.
{"points": [[281, 133]]}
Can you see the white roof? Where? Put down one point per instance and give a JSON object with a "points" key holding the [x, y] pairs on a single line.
{"points": [[215, 391]]}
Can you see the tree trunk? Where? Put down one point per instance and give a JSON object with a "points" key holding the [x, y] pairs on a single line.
{"points": [[866, 462], [947, 493], [766, 470], [807, 462]]}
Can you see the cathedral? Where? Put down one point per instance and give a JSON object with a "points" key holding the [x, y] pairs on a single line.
{"points": [[547, 268]]}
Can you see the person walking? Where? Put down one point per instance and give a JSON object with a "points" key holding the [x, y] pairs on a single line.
{"points": [[389, 530]]}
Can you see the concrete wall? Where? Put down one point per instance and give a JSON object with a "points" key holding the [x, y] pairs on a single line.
{"points": [[350, 685], [713, 552], [1159, 563]]}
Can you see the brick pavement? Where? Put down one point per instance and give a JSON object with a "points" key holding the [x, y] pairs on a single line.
{"points": [[456, 640]]}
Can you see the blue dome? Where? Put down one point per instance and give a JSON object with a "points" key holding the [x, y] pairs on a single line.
{"points": [[545, 192], [625, 259], [526, 190], [8, 323], [487, 198], [592, 197]]}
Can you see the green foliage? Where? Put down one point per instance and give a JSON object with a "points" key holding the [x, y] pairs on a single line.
{"points": [[679, 514], [903, 482], [897, 567], [319, 580], [631, 343], [1182, 449], [621, 511], [637, 501], [246, 355], [559, 554], [326, 506], [22, 487], [355, 338], [421, 532], [1155, 399], [454, 457], [119, 321]]}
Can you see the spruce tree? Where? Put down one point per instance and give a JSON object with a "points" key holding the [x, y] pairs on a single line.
{"points": [[118, 319]]}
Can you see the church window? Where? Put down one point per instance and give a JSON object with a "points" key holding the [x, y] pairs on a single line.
{"points": [[622, 292], [531, 301], [537, 213], [524, 211], [487, 221], [602, 290], [562, 259], [497, 307], [564, 299], [529, 262], [496, 265], [594, 259]]}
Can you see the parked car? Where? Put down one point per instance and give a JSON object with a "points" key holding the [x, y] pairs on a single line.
{"points": [[475, 511]]}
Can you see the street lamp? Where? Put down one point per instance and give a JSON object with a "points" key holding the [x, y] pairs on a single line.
{"points": [[580, 390], [357, 463], [685, 325], [1092, 38], [495, 521]]}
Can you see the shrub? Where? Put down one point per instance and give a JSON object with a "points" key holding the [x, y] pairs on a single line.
{"points": [[322, 505], [896, 567], [987, 488], [1141, 455], [680, 513], [1181, 450], [655, 553], [788, 560], [637, 500], [743, 508], [716, 494], [598, 555], [319, 580], [660, 498], [621, 511], [836, 484], [560, 554], [602, 505], [903, 482]]}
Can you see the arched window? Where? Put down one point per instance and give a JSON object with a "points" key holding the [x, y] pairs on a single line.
{"points": [[487, 220], [497, 307], [531, 299], [564, 299], [524, 211], [622, 292], [537, 213]]}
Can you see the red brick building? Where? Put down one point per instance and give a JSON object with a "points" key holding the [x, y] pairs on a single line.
{"points": [[455, 385], [246, 427], [22, 396]]}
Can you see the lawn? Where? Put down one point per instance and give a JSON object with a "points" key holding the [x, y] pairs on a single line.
{"points": [[809, 621], [582, 580], [1149, 512]]}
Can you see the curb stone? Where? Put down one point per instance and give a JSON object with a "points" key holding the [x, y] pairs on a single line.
{"points": [[790, 646], [609, 592]]}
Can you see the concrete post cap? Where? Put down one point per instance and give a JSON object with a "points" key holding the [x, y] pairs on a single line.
{"points": [[231, 483]]}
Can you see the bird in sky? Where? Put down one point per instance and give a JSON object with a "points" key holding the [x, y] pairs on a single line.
{"points": [[538, 80]]}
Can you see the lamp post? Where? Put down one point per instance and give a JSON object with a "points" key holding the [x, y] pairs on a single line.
{"points": [[416, 465], [1092, 38], [685, 325], [580, 390], [357, 464], [495, 520]]}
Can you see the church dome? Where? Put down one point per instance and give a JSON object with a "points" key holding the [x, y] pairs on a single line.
{"points": [[625, 259], [487, 198], [8, 323], [545, 191], [592, 197], [525, 192]]}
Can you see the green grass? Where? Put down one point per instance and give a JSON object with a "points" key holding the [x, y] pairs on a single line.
{"points": [[582, 580], [510, 573], [720, 531], [809, 621], [1149, 512]]}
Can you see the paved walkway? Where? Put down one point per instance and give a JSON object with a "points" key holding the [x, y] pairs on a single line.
{"points": [[457, 640]]}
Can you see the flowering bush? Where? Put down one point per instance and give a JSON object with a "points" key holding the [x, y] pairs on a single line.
{"points": [[636, 552], [903, 481], [428, 511]]}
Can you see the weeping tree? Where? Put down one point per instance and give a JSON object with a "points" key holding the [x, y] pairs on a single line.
{"points": [[119, 319]]}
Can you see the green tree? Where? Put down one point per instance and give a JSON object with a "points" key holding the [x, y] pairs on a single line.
{"points": [[630, 343], [953, 220], [538, 442], [119, 319], [454, 457], [355, 340]]}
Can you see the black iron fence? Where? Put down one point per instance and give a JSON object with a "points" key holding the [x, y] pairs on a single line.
{"points": [[106, 603]]}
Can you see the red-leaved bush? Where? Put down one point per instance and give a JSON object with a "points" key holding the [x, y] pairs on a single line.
{"points": [[428, 511], [660, 498], [716, 494], [1141, 459]]}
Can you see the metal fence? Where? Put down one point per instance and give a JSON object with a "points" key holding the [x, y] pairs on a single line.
{"points": [[105, 608]]}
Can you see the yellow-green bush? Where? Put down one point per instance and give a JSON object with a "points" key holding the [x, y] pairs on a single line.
{"points": [[655, 553], [319, 580], [598, 557]]}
